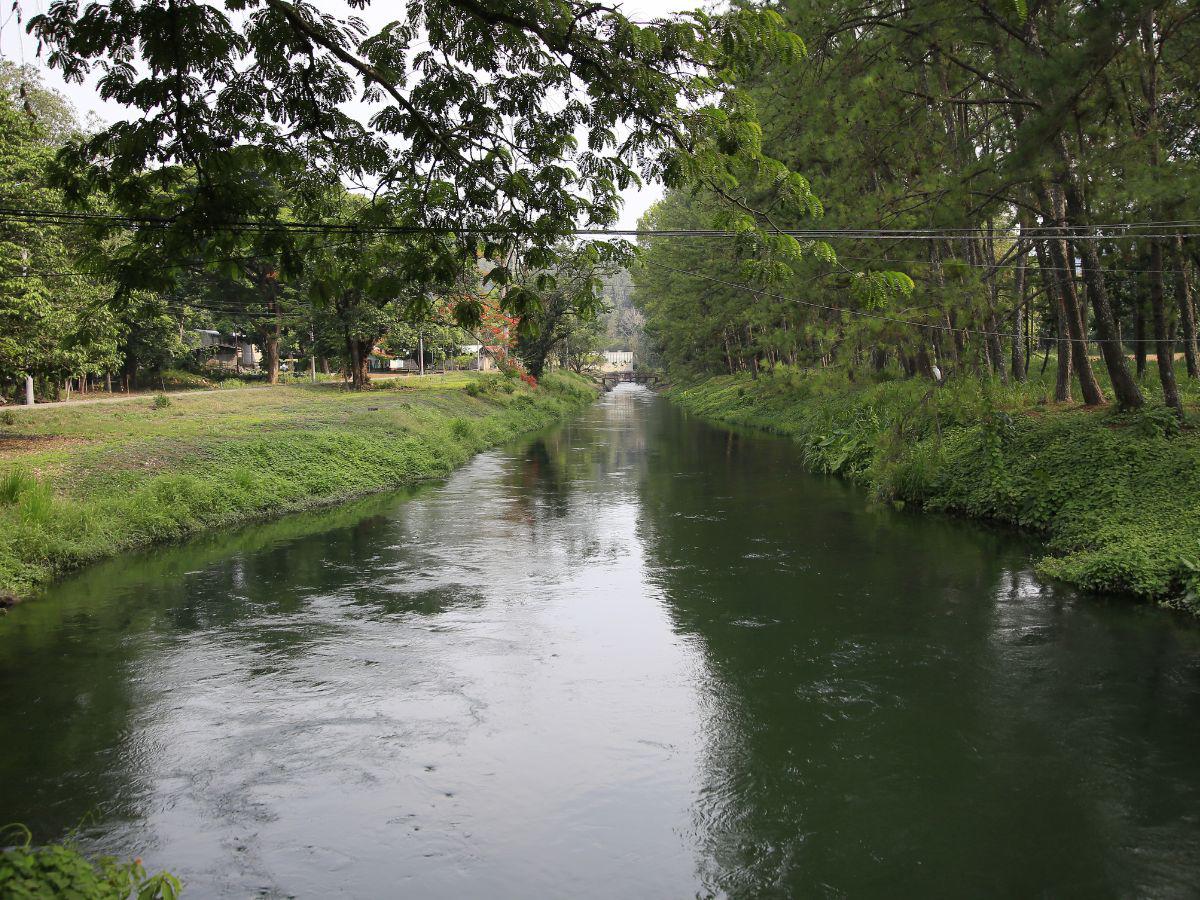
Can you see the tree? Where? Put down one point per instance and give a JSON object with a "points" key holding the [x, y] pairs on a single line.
{"points": [[996, 137], [461, 141], [568, 303], [53, 323]]}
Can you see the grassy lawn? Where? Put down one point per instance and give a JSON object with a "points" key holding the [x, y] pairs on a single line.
{"points": [[79, 482], [1115, 495]]}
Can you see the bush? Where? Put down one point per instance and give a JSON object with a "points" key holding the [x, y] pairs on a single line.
{"points": [[462, 429], [492, 383], [56, 870], [8, 417], [180, 379], [161, 401]]}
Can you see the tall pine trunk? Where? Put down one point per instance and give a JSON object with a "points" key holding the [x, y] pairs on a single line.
{"points": [[1164, 347], [1062, 348], [1125, 388], [1018, 322], [1063, 265], [1187, 311], [1139, 335]]}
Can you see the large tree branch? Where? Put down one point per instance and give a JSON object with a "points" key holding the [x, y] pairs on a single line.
{"points": [[369, 72]]}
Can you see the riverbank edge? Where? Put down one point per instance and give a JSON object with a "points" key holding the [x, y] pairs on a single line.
{"points": [[1115, 497], [49, 528]]}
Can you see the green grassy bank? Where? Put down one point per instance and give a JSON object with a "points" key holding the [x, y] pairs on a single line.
{"points": [[1116, 496], [84, 482]]}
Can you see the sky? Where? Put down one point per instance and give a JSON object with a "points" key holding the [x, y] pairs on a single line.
{"points": [[16, 46]]}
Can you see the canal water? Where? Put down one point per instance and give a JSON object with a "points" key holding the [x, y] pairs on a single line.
{"points": [[634, 656]]}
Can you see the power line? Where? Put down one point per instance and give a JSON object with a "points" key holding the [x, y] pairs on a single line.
{"points": [[1031, 266], [1184, 228], [867, 314]]}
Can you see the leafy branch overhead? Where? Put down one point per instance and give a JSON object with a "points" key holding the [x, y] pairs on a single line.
{"points": [[507, 123]]}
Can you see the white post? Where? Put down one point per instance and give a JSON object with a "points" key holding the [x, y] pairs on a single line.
{"points": [[421, 350]]}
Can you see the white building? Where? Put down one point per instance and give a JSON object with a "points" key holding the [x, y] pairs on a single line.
{"points": [[617, 361]]}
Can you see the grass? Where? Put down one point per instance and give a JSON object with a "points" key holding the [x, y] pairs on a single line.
{"points": [[80, 483], [1115, 495]]}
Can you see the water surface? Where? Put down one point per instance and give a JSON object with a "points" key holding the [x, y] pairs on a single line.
{"points": [[631, 656]]}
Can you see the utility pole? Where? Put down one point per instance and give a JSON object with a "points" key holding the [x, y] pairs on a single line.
{"points": [[421, 350], [312, 360], [29, 401]]}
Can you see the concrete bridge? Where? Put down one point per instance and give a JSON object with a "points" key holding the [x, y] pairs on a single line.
{"points": [[611, 379]]}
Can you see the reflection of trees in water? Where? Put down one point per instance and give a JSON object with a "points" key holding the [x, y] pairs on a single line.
{"points": [[883, 715], [542, 478], [561, 488], [1106, 695], [77, 669]]}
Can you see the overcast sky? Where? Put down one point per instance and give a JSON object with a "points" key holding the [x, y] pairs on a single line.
{"points": [[16, 46]]}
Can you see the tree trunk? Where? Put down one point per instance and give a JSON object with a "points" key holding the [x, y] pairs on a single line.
{"points": [[995, 351], [1070, 210], [1139, 335], [359, 353], [924, 362], [985, 252], [1060, 256], [1062, 348], [1018, 324], [1187, 311], [1062, 384], [271, 353], [1164, 347]]}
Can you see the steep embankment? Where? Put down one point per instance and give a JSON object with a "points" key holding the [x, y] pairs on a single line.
{"points": [[1117, 497], [81, 483]]}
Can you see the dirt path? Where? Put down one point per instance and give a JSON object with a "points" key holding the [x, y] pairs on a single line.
{"points": [[128, 398]]}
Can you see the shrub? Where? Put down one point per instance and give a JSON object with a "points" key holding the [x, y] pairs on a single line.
{"points": [[8, 417], [58, 870], [161, 401], [184, 380]]}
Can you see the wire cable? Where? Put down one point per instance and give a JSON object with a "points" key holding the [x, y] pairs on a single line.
{"points": [[867, 314], [1162, 230]]}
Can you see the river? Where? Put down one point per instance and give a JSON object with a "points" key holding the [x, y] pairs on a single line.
{"points": [[633, 656]]}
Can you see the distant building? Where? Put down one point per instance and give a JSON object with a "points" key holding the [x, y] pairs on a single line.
{"points": [[482, 361], [617, 361], [227, 351], [382, 361]]}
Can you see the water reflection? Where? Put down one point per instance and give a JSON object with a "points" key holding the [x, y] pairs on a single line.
{"points": [[630, 656], [899, 705]]}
